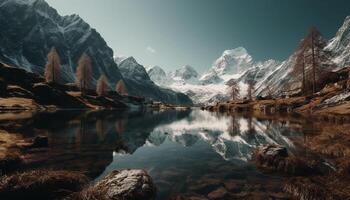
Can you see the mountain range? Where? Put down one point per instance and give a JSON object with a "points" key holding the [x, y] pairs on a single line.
{"points": [[26, 39], [270, 76]]}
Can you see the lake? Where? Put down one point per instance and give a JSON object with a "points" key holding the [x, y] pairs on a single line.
{"points": [[192, 153]]}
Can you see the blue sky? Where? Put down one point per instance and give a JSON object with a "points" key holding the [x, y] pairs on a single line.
{"points": [[172, 33]]}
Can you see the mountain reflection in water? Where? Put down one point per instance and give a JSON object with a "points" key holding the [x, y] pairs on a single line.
{"points": [[186, 152]]}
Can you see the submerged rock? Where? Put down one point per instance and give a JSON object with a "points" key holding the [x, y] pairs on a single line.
{"points": [[41, 184], [276, 158], [121, 185]]}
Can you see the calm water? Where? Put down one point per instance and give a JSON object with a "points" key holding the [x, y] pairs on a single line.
{"points": [[186, 152]]}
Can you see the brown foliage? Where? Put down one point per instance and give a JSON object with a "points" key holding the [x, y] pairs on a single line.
{"points": [[121, 88], [52, 68], [84, 72], [41, 184], [102, 86]]}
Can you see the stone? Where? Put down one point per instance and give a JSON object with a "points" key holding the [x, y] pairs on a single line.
{"points": [[125, 184], [276, 158], [220, 193], [41, 184]]}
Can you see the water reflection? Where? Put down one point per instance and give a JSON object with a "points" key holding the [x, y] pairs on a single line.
{"points": [[232, 137], [184, 151]]}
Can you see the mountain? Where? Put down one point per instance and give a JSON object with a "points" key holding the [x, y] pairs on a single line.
{"points": [[119, 59], [132, 70], [211, 77], [158, 75], [139, 83], [339, 46], [185, 74], [287, 79], [26, 39], [235, 64], [233, 61]]}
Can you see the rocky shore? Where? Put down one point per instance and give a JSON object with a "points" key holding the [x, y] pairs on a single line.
{"points": [[22, 90], [309, 179], [333, 101], [69, 185]]}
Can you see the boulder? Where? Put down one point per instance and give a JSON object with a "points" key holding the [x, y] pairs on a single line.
{"points": [[277, 159], [124, 184], [41, 184]]}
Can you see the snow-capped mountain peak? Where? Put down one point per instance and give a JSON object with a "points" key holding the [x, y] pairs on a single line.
{"points": [[119, 58], [186, 72], [158, 75], [340, 44], [233, 61], [130, 68]]}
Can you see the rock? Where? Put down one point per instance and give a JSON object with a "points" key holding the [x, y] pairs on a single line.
{"points": [[276, 158], [220, 193], [124, 184], [41, 184], [17, 91], [40, 142], [47, 95]]}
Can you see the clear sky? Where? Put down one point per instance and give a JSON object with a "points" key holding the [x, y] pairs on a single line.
{"points": [[172, 33]]}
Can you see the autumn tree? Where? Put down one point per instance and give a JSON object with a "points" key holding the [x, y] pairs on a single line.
{"points": [[121, 88], [102, 86], [84, 73], [52, 67]]}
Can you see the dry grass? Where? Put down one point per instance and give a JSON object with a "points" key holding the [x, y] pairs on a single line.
{"points": [[41, 184], [16, 103]]}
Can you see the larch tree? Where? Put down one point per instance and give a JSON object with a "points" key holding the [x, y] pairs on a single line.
{"points": [[52, 67], [234, 89], [102, 86], [251, 88], [269, 91], [121, 88], [84, 73]]}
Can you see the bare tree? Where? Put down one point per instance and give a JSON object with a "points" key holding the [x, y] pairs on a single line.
{"points": [[84, 73], [234, 89], [121, 88], [269, 92], [251, 88], [102, 86], [52, 67]]}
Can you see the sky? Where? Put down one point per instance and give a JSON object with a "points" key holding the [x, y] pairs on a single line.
{"points": [[173, 33]]}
